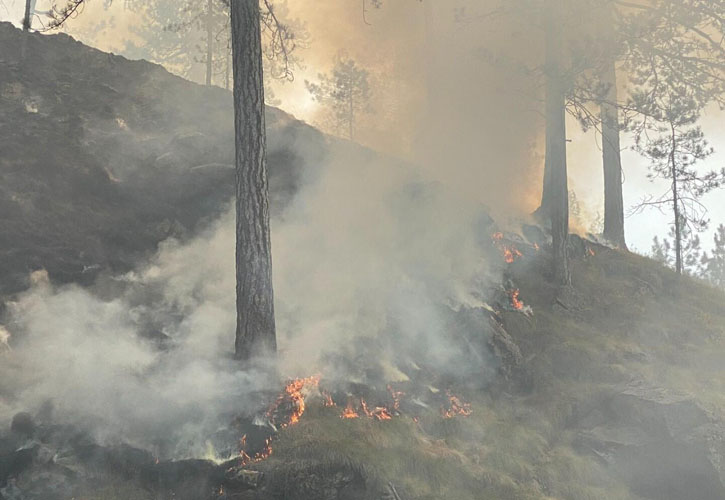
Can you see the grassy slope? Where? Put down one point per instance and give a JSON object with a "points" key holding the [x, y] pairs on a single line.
{"points": [[632, 320]]}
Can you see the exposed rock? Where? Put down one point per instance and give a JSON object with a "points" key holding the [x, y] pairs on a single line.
{"points": [[663, 444], [23, 424]]}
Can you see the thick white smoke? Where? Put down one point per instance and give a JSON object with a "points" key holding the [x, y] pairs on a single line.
{"points": [[146, 357]]}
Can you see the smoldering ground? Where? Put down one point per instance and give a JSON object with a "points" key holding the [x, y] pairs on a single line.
{"points": [[368, 253]]}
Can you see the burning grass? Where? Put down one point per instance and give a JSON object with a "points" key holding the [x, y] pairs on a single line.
{"points": [[521, 446], [631, 319]]}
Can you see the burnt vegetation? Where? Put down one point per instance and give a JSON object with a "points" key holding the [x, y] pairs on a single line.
{"points": [[559, 366]]}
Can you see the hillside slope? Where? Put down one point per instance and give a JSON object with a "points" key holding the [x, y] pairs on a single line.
{"points": [[614, 389], [102, 158]]}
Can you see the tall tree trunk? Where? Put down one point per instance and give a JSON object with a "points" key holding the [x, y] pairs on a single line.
{"points": [[544, 209], [556, 190], [209, 41], [611, 150], [676, 203], [612, 161], [27, 18], [255, 299]]}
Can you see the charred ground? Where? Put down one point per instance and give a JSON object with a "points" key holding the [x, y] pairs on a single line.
{"points": [[613, 390], [103, 158]]}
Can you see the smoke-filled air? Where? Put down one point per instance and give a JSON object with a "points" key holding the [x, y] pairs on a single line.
{"points": [[362, 250]]}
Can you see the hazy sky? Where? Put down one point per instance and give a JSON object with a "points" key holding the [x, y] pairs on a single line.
{"points": [[379, 44]]}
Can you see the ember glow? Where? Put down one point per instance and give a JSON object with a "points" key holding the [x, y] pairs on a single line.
{"points": [[509, 251], [456, 407], [289, 406], [396, 395], [328, 399], [516, 303], [349, 411], [259, 456], [293, 395], [361, 409], [378, 413]]}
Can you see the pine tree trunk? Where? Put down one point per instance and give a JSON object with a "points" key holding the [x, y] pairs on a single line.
{"points": [[676, 203], [556, 190], [612, 160], [544, 209], [27, 18], [209, 41], [255, 300]]}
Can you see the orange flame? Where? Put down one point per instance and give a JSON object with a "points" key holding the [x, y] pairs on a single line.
{"points": [[510, 252], [381, 413], [516, 303], [396, 395], [293, 392], [456, 407], [349, 411], [328, 399], [378, 413]]}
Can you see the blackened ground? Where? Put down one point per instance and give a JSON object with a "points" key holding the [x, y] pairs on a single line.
{"points": [[101, 158], [610, 390]]}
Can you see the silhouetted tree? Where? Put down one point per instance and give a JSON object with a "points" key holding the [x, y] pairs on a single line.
{"points": [[610, 130], [673, 144], [691, 249], [686, 38], [555, 168], [346, 91], [713, 264], [28, 16]]}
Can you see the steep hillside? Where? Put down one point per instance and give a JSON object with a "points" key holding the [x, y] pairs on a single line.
{"points": [[613, 389], [103, 157]]}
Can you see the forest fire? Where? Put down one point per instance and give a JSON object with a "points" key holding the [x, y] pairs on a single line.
{"points": [[377, 413], [349, 411], [294, 397], [509, 251], [516, 304], [284, 412], [396, 395], [456, 407], [327, 399], [263, 454], [289, 406]]}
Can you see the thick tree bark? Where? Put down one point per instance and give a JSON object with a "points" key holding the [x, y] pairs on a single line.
{"points": [[611, 150], [556, 190], [209, 41], [256, 334], [544, 209], [612, 161]]}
